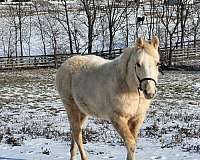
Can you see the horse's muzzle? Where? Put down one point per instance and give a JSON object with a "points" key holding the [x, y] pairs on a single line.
{"points": [[149, 95], [148, 90]]}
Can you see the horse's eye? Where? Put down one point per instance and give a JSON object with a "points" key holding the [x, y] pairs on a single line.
{"points": [[138, 64]]}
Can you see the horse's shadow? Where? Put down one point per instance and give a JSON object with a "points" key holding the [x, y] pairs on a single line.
{"points": [[4, 158]]}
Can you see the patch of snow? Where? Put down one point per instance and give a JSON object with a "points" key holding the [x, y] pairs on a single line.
{"points": [[197, 86], [59, 150]]}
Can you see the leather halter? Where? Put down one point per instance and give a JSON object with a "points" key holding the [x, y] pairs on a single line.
{"points": [[144, 79]]}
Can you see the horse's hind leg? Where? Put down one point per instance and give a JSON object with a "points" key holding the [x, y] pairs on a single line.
{"points": [[73, 150], [77, 120], [77, 135]]}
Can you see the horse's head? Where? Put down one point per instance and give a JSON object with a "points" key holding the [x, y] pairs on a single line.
{"points": [[145, 63]]}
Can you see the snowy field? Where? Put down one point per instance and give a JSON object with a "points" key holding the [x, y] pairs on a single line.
{"points": [[33, 122]]}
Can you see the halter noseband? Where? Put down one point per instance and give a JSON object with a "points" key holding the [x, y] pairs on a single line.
{"points": [[144, 79]]}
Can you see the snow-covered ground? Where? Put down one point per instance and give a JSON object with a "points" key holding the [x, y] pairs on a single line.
{"points": [[33, 122], [46, 149]]}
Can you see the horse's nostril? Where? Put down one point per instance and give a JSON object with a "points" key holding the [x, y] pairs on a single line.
{"points": [[149, 95], [145, 91], [152, 95]]}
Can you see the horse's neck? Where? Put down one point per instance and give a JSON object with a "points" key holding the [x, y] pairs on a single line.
{"points": [[123, 70]]}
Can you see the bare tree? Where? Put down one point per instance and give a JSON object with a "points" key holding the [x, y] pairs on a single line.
{"points": [[196, 24], [19, 15], [63, 18], [68, 25], [52, 31], [184, 12], [102, 30], [30, 31], [40, 25], [17, 18], [115, 16], [76, 34], [170, 19], [129, 9], [89, 7], [3, 41], [13, 24]]}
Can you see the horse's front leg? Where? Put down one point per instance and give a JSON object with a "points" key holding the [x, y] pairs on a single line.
{"points": [[135, 125], [121, 125]]}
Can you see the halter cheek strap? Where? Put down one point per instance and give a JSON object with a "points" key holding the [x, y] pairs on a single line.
{"points": [[144, 79]]}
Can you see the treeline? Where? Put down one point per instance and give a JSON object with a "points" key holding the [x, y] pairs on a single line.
{"points": [[90, 25]]}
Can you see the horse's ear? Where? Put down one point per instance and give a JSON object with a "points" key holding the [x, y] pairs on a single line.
{"points": [[140, 42], [155, 42]]}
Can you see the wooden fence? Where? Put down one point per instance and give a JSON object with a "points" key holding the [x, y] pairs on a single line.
{"points": [[31, 61], [25, 62], [180, 55]]}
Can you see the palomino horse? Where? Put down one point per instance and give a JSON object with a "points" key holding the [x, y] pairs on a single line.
{"points": [[119, 90]]}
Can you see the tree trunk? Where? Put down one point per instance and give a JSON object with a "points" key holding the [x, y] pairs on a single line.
{"points": [[30, 33], [16, 38], [170, 52], [90, 33], [90, 10], [41, 30], [111, 40], [182, 27], [195, 38], [20, 29], [55, 50], [127, 31], [68, 27]]}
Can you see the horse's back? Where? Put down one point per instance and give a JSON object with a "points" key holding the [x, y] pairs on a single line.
{"points": [[77, 63], [71, 68]]}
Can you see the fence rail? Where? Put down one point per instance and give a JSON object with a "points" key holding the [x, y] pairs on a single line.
{"points": [[6, 63], [37, 61], [179, 55]]}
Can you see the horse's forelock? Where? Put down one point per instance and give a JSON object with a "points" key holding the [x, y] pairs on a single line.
{"points": [[150, 49]]}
